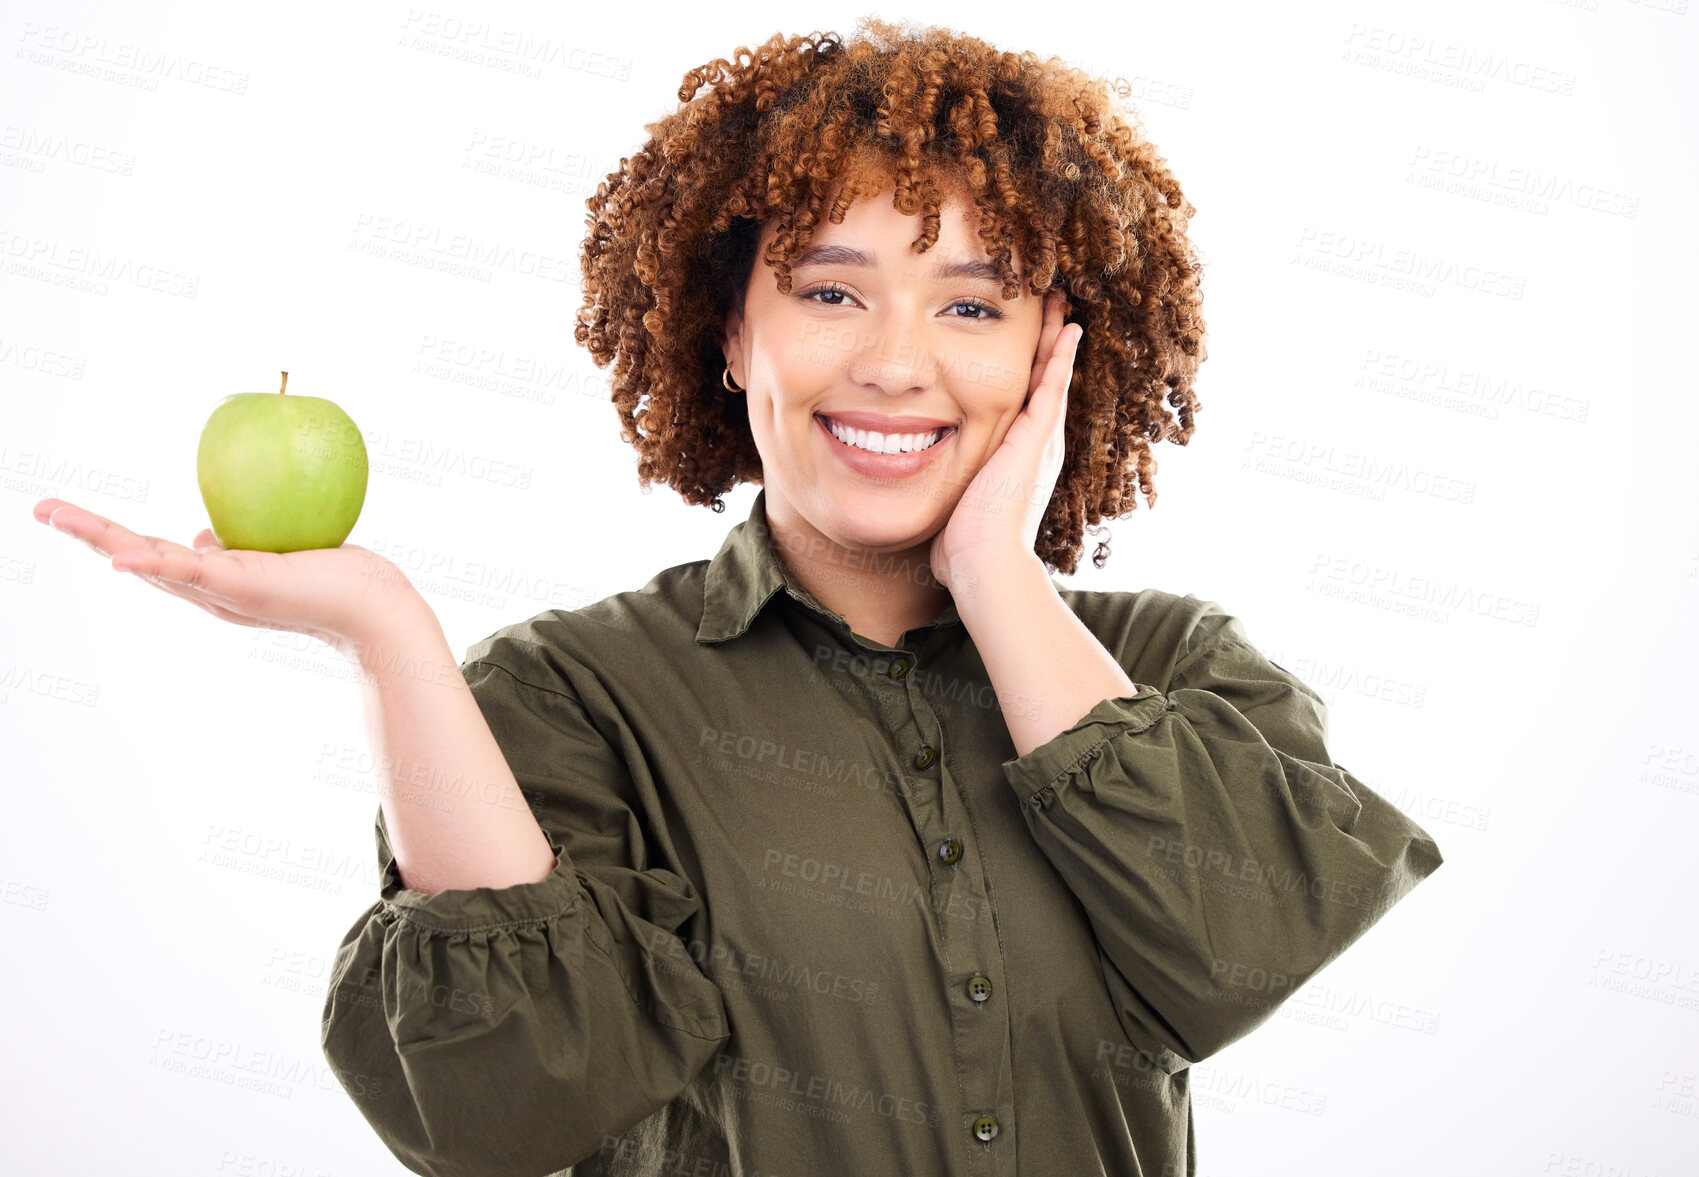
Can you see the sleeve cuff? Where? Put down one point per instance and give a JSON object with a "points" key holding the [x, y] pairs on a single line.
{"points": [[478, 909], [1033, 775]]}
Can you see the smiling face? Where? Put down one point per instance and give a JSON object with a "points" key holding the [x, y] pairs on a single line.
{"points": [[881, 384]]}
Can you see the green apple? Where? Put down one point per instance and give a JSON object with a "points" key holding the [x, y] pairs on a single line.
{"points": [[281, 473]]}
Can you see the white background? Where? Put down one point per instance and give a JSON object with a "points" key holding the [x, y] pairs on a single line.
{"points": [[1442, 473]]}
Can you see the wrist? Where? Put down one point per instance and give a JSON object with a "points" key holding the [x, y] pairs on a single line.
{"points": [[979, 581], [405, 626]]}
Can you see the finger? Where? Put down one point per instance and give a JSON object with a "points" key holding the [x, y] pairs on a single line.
{"points": [[198, 598], [1059, 366], [98, 532], [1049, 403], [44, 509], [1059, 315], [1066, 348], [218, 611], [207, 568], [1054, 304], [217, 573]]}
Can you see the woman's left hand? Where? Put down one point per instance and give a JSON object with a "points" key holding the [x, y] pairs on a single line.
{"points": [[996, 520]]}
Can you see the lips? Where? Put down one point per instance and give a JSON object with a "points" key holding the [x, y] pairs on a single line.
{"points": [[884, 424], [848, 444], [891, 439]]}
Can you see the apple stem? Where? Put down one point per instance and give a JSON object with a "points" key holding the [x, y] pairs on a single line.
{"points": [[284, 385]]}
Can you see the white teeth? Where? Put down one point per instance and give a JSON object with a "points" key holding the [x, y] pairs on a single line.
{"points": [[883, 443]]}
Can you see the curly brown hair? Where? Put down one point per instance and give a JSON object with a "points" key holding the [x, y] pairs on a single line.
{"points": [[1051, 162]]}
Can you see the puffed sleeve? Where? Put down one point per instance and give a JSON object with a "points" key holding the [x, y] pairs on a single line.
{"points": [[1220, 854], [508, 1030]]}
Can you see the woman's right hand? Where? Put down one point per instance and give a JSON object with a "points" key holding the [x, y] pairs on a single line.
{"points": [[346, 596]]}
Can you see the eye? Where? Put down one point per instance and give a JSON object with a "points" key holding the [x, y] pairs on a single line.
{"points": [[991, 312], [828, 288], [988, 312]]}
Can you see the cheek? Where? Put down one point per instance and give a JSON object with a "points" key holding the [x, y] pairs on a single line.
{"points": [[765, 430], [998, 398], [777, 431], [1005, 378]]}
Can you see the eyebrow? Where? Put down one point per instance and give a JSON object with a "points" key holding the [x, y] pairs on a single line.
{"points": [[844, 255]]}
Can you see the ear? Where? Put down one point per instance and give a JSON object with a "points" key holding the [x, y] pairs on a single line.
{"points": [[731, 343]]}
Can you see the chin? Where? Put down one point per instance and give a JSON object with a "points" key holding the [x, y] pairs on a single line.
{"points": [[871, 523]]}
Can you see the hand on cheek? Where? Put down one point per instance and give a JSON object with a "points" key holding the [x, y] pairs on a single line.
{"points": [[996, 520]]}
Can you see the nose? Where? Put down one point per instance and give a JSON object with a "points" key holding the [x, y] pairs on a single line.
{"points": [[894, 357]]}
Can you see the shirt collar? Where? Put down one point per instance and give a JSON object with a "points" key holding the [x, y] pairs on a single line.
{"points": [[747, 573]]}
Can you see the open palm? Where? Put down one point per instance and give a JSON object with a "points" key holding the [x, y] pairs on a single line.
{"points": [[341, 595], [998, 515]]}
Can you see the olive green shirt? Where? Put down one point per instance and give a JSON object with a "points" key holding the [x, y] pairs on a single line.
{"points": [[810, 913]]}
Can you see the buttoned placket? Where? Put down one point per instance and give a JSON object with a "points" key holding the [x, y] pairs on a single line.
{"points": [[960, 895], [961, 900]]}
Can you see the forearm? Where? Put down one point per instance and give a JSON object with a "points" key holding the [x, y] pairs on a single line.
{"points": [[1219, 870], [1045, 666], [453, 812]]}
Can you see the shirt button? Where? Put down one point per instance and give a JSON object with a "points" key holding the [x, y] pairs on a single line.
{"points": [[950, 851], [926, 757], [979, 988], [985, 1128], [899, 667]]}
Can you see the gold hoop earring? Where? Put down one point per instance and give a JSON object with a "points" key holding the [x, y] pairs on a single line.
{"points": [[725, 380]]}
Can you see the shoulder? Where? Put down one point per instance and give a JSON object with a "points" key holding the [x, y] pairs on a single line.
{"points": [[557, 648], [1152, 628]]}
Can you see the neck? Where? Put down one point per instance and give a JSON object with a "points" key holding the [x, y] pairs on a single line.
{"points": [[880, 594]]}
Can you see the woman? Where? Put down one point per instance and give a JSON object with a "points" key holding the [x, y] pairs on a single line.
{"points": [[863, 847]]}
